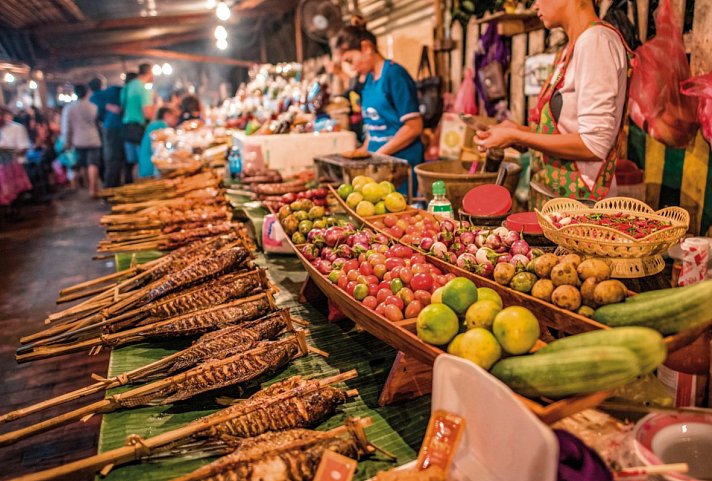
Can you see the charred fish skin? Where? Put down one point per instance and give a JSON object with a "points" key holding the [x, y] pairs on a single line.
{"points": [[217, 291], [302, 410], [211, 319], [230, 341], [245, 367], [289, 457], [204, 269]]}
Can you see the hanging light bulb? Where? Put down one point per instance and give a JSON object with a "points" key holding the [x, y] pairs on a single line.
{"points": [[9, 78], [211, 4], [221, 43], [222, 11], [220, 32], [33, 85], [167, 69], [156, 69]]}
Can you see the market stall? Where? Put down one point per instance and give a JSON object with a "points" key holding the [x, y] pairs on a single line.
{"points": [[288, 305]]}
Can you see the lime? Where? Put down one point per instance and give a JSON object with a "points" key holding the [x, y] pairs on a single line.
{"points": [[516, 329], [454, 346], [373, 192], [488, 294], [459, 294], [395, 202], [360, 292], [365, 209], [344, 190], [479, 346], [388, 187], [437, 324], [359, 181], [482, 314], [380, 208], [353, 199]]}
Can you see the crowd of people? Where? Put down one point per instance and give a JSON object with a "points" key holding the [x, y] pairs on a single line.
{"points": [[102, 139]]}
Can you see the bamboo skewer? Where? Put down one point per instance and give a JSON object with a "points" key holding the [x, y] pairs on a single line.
{"points": [[129, 377], [137, 447], [37, 351], [115, 402], [99, 280]]}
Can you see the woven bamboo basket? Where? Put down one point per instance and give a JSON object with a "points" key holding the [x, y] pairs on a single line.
{"points": [[628, 257]]}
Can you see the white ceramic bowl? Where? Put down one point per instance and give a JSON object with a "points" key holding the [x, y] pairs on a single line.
{"points": [[676, 438]]}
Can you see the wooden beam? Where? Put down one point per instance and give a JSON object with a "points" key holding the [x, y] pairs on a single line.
{"points": [[678, 11], [101, 49], [15, 14], [73, 9], [142, 22], [185, 56], [517, 103], [701, 61], [298, 35], [643, 13]]}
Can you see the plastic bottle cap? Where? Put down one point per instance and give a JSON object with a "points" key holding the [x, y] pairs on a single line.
{"points": [[438, 187]]}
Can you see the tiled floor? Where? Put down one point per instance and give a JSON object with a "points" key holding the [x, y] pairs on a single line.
{"points": [[49, 248]]}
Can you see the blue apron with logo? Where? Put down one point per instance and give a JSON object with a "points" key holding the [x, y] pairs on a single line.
{"points": [[381, 121]]}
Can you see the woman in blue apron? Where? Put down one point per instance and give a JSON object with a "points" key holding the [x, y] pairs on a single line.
{"points": [[389, 100]]}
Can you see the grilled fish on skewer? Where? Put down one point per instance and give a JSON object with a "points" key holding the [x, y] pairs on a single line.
{"points": [[216, 345], [287, 456], [138, 448], [269, 356]]}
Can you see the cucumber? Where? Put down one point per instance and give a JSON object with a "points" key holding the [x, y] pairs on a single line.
{"points": [[683, 308], [572, 371], [650, 295], [645, 343]]}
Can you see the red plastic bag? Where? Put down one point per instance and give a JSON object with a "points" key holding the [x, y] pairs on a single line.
{"points": [[465, 102], [701, 87], [656, 104]]}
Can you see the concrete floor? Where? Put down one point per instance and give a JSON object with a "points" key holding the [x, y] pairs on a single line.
{"points": [[49, 247]]}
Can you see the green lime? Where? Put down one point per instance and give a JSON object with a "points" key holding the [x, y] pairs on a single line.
{"points": [[344, 190], [380, 208], [459, 294], [437, 324]]}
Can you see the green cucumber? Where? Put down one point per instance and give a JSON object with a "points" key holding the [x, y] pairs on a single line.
{"points": [[645, 343], [683, 308], [568, 372]]}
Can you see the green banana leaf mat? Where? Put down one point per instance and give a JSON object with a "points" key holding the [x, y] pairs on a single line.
{"points": [[397, 429]]}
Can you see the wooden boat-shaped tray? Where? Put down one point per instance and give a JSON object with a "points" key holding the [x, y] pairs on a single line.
{"points": [[402, 336]]}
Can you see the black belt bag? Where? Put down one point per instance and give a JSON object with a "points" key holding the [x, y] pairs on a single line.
{"points": [[133, 132]]}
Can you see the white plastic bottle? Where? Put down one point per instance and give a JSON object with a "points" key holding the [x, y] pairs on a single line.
{"points": [[440, 205]]}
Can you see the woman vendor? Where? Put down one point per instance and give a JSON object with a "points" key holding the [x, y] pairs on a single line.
{"points": [[389, 101], [578, 122]]}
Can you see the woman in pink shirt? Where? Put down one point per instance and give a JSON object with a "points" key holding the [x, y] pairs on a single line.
{"points": [[578, 122]]}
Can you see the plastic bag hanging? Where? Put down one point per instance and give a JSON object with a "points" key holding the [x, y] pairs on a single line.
{"points": [[465, 102], [656, 104], [701, 87]]}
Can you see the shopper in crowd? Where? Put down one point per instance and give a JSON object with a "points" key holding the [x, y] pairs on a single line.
{"points": [[176, 99], [83, 135], [190, 109], [15, 141], [578, 122], [138, 109], [108, 103], [391, 117], [165, 117], [95, 88], [13, 135]]}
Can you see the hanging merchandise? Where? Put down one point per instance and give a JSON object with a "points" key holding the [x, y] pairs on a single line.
{"points": [[701, 86], [617, 16], [465, 99], [491, 61], [656, 104], [429, 92]]}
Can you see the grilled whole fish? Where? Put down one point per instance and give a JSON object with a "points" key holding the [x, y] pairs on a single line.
{"points": [[268, 356], [286, 456], [232, 340], [234, 312], [310, 404], [202, 270]]}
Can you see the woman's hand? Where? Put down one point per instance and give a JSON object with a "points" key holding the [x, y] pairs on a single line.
{"points": [[498, 136]]}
